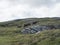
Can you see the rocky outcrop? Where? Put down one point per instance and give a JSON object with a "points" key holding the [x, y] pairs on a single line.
{"points": [[39, 28]]}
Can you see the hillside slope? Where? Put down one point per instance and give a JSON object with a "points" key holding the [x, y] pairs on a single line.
{"points": [[13, 32], [50, 37]]}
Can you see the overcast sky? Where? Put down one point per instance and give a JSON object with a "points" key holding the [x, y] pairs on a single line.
{"points": [[18, 9]]}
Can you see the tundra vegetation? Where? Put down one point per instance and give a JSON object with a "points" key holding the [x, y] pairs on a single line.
{"points": [[10, 32]]}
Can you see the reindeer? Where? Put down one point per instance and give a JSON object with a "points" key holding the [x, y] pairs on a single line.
{"points": [[35, 22], [28, 24]]}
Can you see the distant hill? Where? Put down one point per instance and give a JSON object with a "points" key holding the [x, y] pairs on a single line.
{"points": [[30, 31], [41, 21]]}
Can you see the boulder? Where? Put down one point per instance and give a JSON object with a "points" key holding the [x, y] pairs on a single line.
{"points": [[39, 28]]}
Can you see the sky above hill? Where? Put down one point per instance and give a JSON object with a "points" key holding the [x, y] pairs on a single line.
{"points": [[18, 9]]}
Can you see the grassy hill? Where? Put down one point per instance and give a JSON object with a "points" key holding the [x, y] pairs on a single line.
{"points": [[10, 32]]}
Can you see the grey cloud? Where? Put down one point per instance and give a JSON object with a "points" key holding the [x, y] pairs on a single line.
{"points": [[58, 0], [35, 2]]}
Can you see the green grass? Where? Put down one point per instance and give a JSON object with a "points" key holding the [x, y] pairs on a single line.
{"points": [[11, 35], [47, 37]]}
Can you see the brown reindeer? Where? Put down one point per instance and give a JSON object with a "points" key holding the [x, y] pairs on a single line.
{"points": [[26, 25], [30, 23], [35, 22]]}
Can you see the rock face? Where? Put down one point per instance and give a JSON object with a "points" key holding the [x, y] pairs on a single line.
{"points": [[39, 28]]}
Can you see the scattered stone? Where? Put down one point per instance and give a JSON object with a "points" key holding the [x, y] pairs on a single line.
{"points": [[39, 28]]}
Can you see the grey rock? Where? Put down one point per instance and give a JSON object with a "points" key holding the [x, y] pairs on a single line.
{"points": [[39, 28]]}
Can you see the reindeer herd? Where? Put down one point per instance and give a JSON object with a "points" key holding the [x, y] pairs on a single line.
{"points": [[27, 24]]}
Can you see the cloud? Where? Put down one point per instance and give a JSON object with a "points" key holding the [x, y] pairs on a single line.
{"points": [[34, 3], [14, 9], [55, 11]]}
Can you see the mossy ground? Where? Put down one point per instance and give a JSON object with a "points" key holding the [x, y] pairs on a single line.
{"points": [[11, 35]]}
